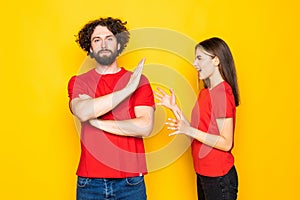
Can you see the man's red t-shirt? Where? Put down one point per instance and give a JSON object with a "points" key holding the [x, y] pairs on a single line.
{"points": [[105, 155], [211, 105]]}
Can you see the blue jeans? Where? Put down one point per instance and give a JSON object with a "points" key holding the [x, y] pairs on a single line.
{"points": [[218, 188], [132, 188]]}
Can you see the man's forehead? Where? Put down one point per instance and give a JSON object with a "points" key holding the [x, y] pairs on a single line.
{"points": [[102, 31]]}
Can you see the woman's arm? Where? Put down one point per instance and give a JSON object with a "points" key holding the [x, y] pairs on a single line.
{"points": [[181, 124], [223, 141]]}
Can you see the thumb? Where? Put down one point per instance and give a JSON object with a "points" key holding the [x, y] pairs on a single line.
{"points": [[174, 133]]}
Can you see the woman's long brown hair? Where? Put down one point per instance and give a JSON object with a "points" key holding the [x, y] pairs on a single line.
{"points": [[219, 48]]}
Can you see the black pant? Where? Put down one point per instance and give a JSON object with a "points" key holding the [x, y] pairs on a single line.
{"points": [[218, 188]]}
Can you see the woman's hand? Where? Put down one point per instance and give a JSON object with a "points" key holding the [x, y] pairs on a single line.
{"points": [[165, 99], [179, 125]]}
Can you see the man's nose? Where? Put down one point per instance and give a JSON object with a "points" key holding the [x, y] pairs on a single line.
{"points": [[103, 44]]}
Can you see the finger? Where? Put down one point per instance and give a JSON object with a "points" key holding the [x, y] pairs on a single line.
{"points": [[157, 98], [162, 91], [158, 94], [84, 96], [174, 133], [142, 62], [172, 128], [172, 120], [139, 68], [170, 124], [172, 91], [91, 122]]}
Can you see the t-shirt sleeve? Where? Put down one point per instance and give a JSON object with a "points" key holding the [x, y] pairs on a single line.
{"points": [[75, 87], [143, 96], [71, 86], [223, 104]]}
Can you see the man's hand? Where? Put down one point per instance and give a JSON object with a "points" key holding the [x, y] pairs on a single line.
{"points": [[84, 96], [135, 77]]}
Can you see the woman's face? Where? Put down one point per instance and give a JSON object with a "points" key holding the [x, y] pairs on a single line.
{"points": [[204, 64]]}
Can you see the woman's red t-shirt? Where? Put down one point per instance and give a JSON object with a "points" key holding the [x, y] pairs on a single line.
{"points": [[211, 105]]}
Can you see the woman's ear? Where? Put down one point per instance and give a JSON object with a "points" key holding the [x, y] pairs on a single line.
{"points": [[216, 61]]}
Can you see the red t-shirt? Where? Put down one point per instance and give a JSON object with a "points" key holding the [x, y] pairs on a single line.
{"points": [[212, 104], [105, 155]]}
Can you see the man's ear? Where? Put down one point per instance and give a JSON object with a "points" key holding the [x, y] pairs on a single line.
{"points": [[119, 46]]}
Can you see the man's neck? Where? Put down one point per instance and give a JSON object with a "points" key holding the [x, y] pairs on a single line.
{"points": [[108, 69]]}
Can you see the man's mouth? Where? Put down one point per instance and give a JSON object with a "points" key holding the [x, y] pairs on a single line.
{"points": [[105, 51]]}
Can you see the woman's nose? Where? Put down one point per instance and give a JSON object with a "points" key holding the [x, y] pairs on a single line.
{"points": [[195, 64]]}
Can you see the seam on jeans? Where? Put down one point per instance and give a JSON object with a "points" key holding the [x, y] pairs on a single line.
{"points": [[105, 188], [84, 183], [112, 190], [135, 183]]}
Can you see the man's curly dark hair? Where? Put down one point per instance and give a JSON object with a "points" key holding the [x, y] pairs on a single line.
{"points": [[116, 26]]}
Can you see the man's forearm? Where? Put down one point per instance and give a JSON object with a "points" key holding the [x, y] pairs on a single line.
{"points": [[133, 127], [141, 126], [91, 108]]}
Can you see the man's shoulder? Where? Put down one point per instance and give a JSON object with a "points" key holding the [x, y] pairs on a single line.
{"points": [[83, 76]]}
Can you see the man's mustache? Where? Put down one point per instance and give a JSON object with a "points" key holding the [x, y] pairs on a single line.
{"points": [[104, 50]]}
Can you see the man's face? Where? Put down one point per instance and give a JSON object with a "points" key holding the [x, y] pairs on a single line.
{"points": [[104, 46]]}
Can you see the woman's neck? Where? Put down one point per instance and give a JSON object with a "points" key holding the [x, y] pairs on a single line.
{"points": [[215, 79]]}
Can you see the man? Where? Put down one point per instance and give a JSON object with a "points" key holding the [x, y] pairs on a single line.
{"points": [[116, 109]]}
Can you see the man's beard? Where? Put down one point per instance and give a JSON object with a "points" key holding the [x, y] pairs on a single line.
{"points": [[106, 59]]}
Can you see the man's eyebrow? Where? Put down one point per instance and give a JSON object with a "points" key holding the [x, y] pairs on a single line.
{"points": [[98, 37]]}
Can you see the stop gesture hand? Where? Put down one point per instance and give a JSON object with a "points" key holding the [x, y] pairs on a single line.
{"points": [[136, 76]]}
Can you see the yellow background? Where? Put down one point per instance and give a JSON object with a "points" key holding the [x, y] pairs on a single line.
{"points": [[39, 142]]}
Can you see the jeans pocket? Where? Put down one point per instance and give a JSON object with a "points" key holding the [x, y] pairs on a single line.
{"points": [[82, 182], [134, 180]]}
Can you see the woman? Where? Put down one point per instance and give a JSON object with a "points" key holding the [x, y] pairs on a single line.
{"points": [[212, 121]]}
